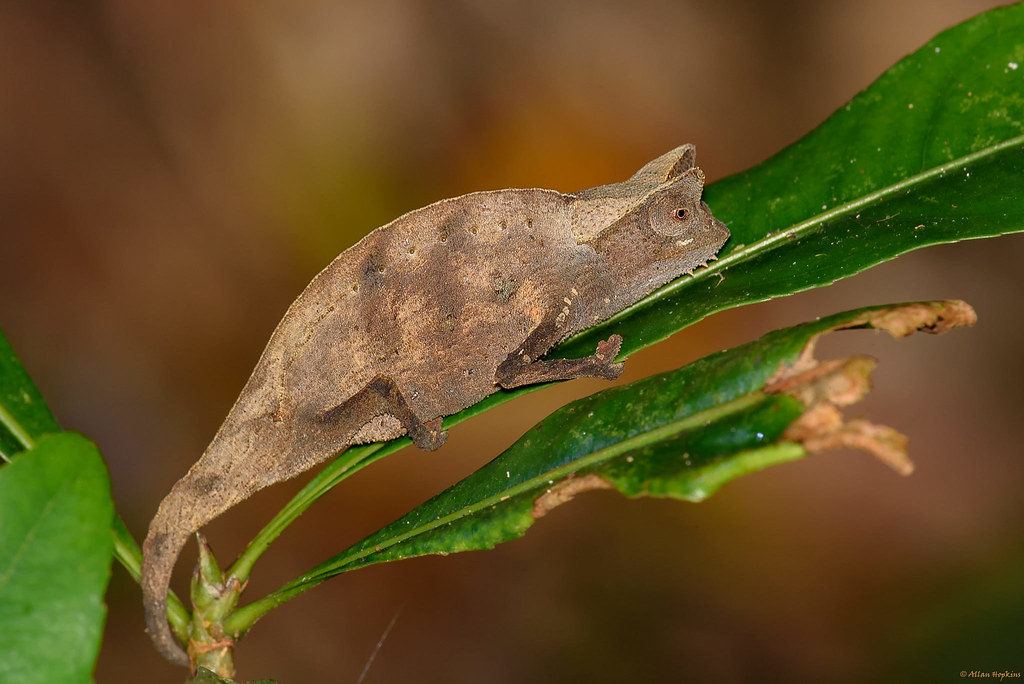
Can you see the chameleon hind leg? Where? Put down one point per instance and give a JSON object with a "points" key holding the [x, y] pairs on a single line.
{"points": [[381, 396]]}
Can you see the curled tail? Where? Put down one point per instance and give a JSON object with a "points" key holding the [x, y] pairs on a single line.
{"points": [[229, 472], [159, 552], [252, 451], [244, 458]]}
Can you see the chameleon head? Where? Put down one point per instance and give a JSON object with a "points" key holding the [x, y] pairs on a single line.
{"points": [[669, 231], [678, 223]]}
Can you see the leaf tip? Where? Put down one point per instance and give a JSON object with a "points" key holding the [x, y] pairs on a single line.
{"points": [[929, 317], [822, 428]]}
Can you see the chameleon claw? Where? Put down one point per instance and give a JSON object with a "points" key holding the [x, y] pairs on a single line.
{"points": [[429, 436], [608, 349], [606, 352]]}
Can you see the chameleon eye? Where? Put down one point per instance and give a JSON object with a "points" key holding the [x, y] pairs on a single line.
{"points": [[682, 213]]}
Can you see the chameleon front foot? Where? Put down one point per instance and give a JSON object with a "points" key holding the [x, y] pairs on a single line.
{"points": [[518, 370], [605, 354], [429, 435]]}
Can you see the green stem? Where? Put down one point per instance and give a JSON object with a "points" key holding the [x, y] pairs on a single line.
{"points": [[349, 462], [126, 551]]}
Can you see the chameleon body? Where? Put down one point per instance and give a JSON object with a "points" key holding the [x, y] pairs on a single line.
{"points": [[428, 315]]}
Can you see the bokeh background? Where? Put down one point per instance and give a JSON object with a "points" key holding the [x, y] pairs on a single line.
{"points": [[173, 174]]}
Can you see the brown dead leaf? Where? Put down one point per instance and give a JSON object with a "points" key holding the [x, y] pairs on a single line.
{"points": [[822, 428], [929, 317], [840, 382]]}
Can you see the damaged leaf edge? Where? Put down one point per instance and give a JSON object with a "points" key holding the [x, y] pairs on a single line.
{"points": [[823, 387]]}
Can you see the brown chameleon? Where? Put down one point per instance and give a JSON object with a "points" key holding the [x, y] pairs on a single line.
{"points": [[428, 315]]}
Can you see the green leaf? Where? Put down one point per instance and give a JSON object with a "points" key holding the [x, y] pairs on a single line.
{"points": [[24, 416], [931, 152], [55, 552], [24, 419], [681, 434]]}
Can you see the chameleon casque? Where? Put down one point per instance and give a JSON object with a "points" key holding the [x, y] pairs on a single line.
{"points": [[428, 315]]}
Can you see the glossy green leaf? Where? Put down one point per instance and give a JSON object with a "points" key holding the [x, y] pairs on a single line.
{"points": [[24, 416], [681, 434], [55, 552], [931, 152]]}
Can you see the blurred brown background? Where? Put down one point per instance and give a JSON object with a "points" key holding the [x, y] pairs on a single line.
{"points": [[173, 174]]}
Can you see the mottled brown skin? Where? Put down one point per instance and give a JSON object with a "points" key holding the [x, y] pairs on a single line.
{"points": [[428, 315]]}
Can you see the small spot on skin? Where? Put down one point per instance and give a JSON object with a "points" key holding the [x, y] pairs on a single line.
{"points": [[372, 270], [503, 287]]}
